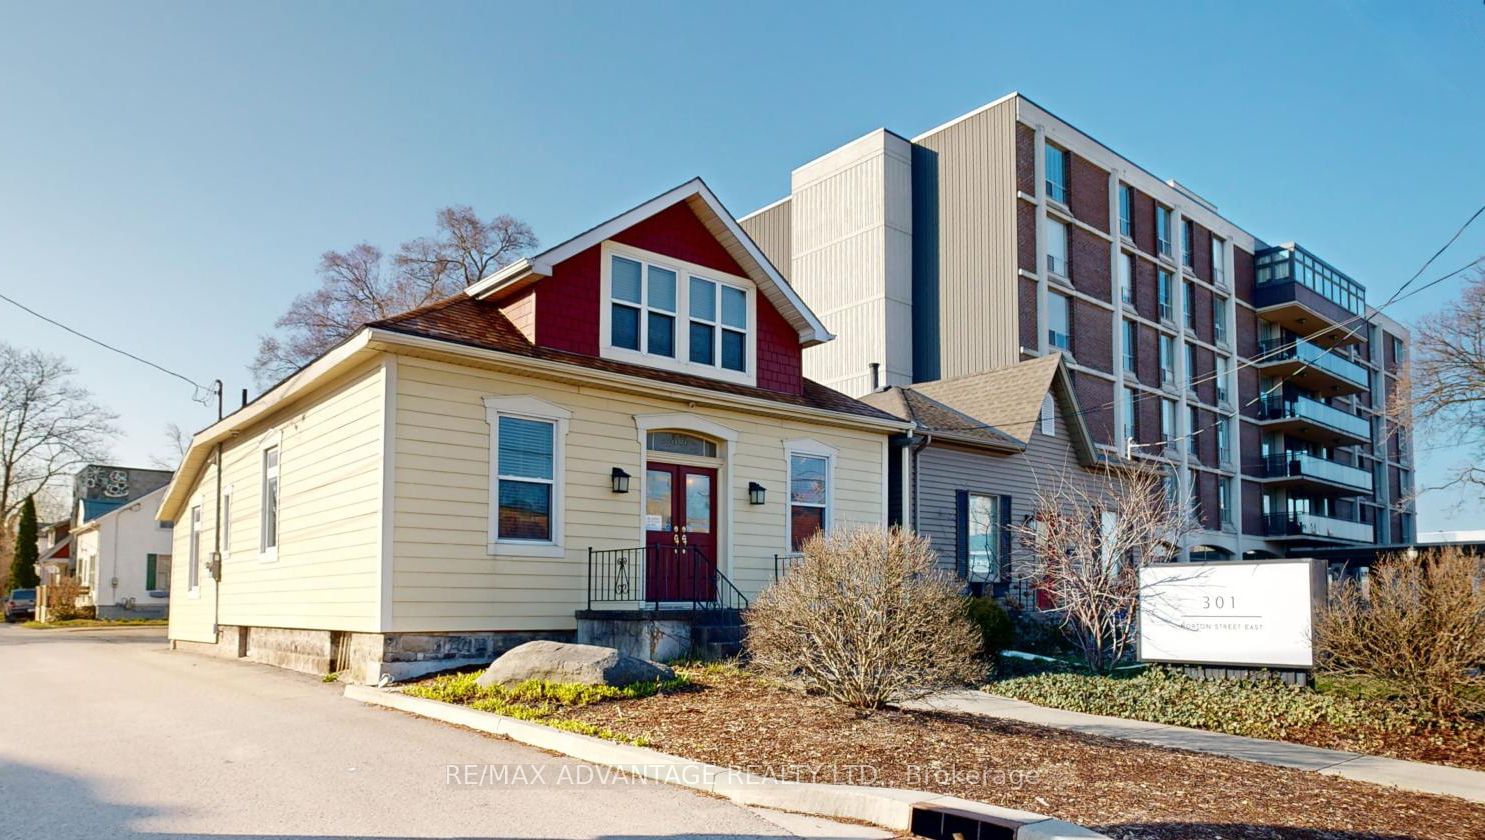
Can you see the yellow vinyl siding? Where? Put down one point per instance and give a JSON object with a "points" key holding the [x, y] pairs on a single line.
{"points": [[327, 572], [445, 579]]}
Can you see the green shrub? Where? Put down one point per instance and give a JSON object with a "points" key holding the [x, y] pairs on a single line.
{"points": [[994, 623], [1257, 709]]}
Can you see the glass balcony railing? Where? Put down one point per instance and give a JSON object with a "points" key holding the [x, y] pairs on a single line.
{"points": [[1283, 349], [1315, 525], [1305, 465], [1276, 407]]}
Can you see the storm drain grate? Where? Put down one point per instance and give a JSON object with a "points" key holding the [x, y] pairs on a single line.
{"points": [[949, 824]]}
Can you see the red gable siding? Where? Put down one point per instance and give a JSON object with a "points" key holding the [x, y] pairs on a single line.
{"points": [[567, 303]]}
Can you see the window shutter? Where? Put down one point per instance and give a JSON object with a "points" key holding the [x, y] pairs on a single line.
{"points": [[149, 571], [1005, 539], [961, 533]]}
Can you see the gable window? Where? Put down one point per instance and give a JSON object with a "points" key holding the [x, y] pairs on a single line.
{"points": [[809, 496], [672, 314], [1162, 230], [1162, 294], [719, 324], [1126, 210], [983, 537], [268, 512], [1057, 248], [1131, 336], [1188, 243], [526, 461], [1048, 417], [1057, 322], [193, 570], [1126, 277], [1057, 171]]}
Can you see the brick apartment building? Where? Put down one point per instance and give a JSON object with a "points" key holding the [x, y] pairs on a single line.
{"points": [[1256, 373]]}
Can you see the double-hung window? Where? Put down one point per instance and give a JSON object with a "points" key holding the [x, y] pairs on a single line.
{"points": [[1126, 210], [719, 325], [1191, 366], [1167, 421], [809, 496], [193, 569], [1057, 248], [1057, 172], [1131, 419], [1057, 322], [1162, 293], [268, 502], [1224, 440], [1188, 243], [1221, 377], [1219, 262], [1219, 319], [1167, 359], [1131, 337], [1162, 230], [983, 538], [1126, 277], [1224, 500], [643, 307], [525, 475], [1190, 304]]}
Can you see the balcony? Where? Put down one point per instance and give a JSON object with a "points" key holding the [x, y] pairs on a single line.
{"points": [[1313, 526], [1311, 366], [1313, 420], [1311, 472], [1308, 297]]}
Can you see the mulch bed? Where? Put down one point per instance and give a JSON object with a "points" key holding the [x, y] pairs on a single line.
{"points": [[1123, 789], [1464, 747]]}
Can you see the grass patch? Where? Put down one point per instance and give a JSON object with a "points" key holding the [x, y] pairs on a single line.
{"points": [[96, 622], [543, 702]]}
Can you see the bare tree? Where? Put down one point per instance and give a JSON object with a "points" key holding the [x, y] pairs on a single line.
{"points": [[1445, 380], [1085, 546], [49, 426], [362, 284], [179, 441], [866, 619]]}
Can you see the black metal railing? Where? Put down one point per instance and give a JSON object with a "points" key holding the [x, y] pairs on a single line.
{"points": [[784, 562], [655, 577]]}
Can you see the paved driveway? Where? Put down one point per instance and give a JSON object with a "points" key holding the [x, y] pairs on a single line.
{"points": [[108, 734]]}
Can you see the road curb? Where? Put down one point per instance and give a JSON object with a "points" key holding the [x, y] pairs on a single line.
{"points": [[892, 808]]}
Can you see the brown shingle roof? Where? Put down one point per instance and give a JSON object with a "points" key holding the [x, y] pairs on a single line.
{"points": [[476, 323]]}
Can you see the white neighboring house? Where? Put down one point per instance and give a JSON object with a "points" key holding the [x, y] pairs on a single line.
{"points": [[123, 558]]}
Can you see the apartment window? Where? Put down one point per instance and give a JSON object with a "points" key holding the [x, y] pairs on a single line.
{"points": [[1162, 293], [1219, 318], [1188, 243], [983, 530], [809, 496], [1190, 305], [1167, 360], [1162, 230], [525, 478], [1058, 331], [1057, 248], [1057, 173], [1219, 262], [1193, 427], [1224, 440], [1126, 277], [1221, 377], [193, 570], [1131, 419], [1167, 421], [1191, 366], [719, 325], [268, 503], [1126, 210], [1224, 500], [1131, 339], [643, 307]]}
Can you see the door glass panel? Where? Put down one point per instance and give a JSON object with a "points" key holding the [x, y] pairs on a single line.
{"points": [[698, 504], [658, 500]]}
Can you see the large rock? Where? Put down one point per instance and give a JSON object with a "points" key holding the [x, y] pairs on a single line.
{"points": [[559, 662]]}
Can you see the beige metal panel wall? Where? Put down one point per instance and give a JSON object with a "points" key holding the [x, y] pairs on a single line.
{"points": [[852, 259], [771, 228], [444, 579], [975, 160]]}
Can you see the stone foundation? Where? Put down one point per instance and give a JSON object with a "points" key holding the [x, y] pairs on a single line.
{"points": [[657, 638], [115, 612]]}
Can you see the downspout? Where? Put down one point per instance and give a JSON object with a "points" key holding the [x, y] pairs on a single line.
{"points": [[215, 567], [918, 446]]}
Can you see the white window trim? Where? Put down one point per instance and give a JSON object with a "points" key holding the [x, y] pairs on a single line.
{"points": [[226, 526], [816, 449], [682, 362], [528, 408], [195, 512], [269, 554], [698, 425]]}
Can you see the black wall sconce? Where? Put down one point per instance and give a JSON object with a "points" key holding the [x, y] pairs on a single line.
{"points": [[620, 480], [755, 493]]}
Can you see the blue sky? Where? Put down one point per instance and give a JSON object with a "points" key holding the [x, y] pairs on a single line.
{"points": [[170, 173]]}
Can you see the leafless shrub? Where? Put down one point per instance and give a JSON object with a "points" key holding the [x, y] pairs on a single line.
{"points": [[1419, 627], [1086, 544], [61, 600], [865, 619]]}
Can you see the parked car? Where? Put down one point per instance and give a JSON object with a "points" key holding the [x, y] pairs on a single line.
{"points": [[19, 604]]}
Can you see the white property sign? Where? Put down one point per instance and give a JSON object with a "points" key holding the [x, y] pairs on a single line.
{"points": [[1254, 613]]}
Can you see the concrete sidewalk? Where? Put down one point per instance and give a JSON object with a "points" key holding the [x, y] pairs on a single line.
{"points": [[1407, 775]]}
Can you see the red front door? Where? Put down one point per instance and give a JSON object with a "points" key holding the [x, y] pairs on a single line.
{"points": [[680, 532]]}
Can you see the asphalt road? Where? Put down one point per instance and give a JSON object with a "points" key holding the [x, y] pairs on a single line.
{"points": [[109, 734]]}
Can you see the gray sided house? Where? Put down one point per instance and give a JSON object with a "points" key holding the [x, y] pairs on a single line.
{"points": [[984, 449]]}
